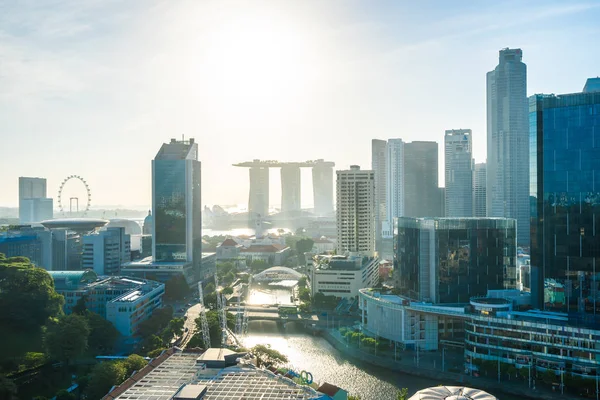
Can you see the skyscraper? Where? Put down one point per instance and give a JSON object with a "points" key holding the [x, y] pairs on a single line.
{"points": [[258, 204], [565, 201], [508, 142], [479, 189], [322, 175], [459, 173], [176, 204], [34, 206], [291, 194], [395, 184], [421, 192], [355, 211], [379, 167]]}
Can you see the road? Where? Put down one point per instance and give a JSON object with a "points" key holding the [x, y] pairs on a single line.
{"points": [[190, 323]]}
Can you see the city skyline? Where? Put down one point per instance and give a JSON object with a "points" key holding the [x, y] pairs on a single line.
{"points": [[106, 81]]}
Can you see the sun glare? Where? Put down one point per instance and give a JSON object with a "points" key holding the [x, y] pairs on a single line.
{"points": [[259, 62]]}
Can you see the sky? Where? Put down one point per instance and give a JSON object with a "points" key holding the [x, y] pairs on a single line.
{"points": [[94, 87]]}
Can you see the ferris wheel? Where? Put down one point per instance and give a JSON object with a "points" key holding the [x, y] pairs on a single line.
{"points": [[74, 200]]}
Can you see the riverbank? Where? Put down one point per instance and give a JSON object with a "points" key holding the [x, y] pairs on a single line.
{"points": [[407, 366]]}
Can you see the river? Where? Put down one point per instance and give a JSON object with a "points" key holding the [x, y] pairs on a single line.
{"points": [[316, 355]]}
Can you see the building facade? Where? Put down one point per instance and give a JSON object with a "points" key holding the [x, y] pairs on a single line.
{"points": [[355, 211], [459, 173], [34, 206], [395, 184], [322, 175], [379, 167], [291, 189], [479, 190], [450, 260], [342, 276], [106, 250], [258, 203], [123, 301], [508, 142], [565, 205], [421, 192], [176, 204]]}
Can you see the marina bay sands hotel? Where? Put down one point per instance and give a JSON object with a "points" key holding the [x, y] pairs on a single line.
{"points": [[322, 175]]}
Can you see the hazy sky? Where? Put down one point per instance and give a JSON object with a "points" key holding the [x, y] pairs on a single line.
{"points": [[93, 87]]}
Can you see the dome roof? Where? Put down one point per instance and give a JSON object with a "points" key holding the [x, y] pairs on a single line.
{"points": [[148, 223], [131, 227], [451, 393]]}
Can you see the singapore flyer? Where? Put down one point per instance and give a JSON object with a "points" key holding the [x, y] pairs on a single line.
{"points": [[74, 196]]}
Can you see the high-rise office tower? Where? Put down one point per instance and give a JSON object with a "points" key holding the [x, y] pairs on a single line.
{"points": [[355, 211], [421, 193], [565, 201], [479, 185], [258, 204], [34, 206], [459, 173], [508, 142], [176, 204], [395, 184], [290, 189], [379, 167], [322, 175]]}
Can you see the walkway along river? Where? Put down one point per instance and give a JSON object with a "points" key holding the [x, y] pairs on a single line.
{"points": [[316, 355]]}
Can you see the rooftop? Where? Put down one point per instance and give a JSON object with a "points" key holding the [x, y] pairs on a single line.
{"points": [[75, 224], [148, 262], [166, 375], [350, 262]]}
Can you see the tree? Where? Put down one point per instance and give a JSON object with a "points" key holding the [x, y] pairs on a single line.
{"points": [[134, 363], [27, 295], [227, 290], [80, 307], [259, 266], [65, 395], [549, 376], [304, 294], [176, 288], [173, 329], [402, 394], [67, 338], [103, 334], [156, 352], [302, 246], [8, 389], [353, 397], [209, 288], [302, 282], [268, 356], [159, 319], [229, 277], [103, 377], [152, 343]]}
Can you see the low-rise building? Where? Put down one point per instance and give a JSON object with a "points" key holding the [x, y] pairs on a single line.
{"points": [[272, 254], [186, 375], [125, 302], [342, 276], [127, 311], [492, 328], [323, 245]]}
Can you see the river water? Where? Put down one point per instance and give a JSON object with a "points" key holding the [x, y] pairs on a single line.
{"points": [[314, 354]]}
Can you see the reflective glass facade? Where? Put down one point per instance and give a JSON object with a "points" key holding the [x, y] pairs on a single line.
{"points": [[450, 260], [170, 210], [565, 202], [177, 208]]}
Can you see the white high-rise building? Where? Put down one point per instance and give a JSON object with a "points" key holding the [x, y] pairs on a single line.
{"points": [[106, 250], [395, 184], [479, 186], [355, 211], [379, 167], [34, 206], [508, 142], [459, 173]]}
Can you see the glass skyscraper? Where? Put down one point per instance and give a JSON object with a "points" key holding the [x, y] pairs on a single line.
{"points": [[176, 204], [450, 260], [458, 170], [507, 141], [421, 192], [565, 201]]}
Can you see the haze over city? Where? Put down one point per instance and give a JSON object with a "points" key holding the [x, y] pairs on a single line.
{"points": [[92, 88]]}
